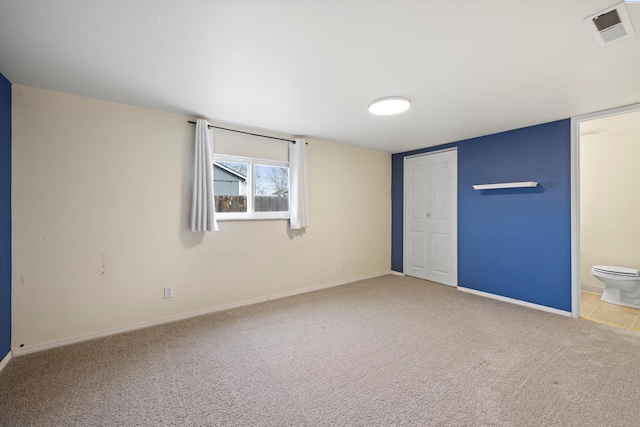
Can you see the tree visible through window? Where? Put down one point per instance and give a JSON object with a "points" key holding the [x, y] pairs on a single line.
{"points": [[271, 188], [250, 188]]}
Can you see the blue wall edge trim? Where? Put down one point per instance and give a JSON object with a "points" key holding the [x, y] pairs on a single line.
{"points": [[5, 215]]}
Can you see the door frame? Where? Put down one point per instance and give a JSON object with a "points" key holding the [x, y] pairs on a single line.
{"points": [[404, 210], [575, 196]]}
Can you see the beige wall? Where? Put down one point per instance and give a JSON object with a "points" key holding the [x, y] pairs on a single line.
{"points": [[609, 204], [101, 204]]}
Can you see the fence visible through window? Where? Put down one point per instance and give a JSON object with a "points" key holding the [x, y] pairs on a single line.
{"points": [[262, 203], [245, 188]]}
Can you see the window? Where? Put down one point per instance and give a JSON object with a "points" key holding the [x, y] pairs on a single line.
{"points": [[248, 188]]}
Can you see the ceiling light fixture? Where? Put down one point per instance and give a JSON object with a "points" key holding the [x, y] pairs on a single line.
{"points": [[389, 105]]}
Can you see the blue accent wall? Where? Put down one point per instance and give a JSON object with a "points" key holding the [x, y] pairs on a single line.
{"points": [[5, 216], [514, 243]]}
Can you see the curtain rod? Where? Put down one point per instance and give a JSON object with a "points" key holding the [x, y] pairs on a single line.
{"points": [[247, 133]]}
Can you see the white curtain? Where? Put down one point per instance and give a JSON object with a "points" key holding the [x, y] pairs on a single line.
{"points": [[202, 211], [299, 209]]}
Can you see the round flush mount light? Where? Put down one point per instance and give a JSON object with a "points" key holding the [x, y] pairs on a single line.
{"points": [[389, 105]]}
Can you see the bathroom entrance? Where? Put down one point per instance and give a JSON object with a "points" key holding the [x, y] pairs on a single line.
{"points": [[608, 149]]}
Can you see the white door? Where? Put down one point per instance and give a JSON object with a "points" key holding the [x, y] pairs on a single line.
{"points": [[430, 217]]}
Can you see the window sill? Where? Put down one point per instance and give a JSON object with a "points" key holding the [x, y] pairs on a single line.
{"points": [[251, 218]]}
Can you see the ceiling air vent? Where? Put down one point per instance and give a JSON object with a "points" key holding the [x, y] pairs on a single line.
{"points": [[610, 24]]}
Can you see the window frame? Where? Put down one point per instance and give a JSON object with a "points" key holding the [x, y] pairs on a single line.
{"points": [[250, 214]]}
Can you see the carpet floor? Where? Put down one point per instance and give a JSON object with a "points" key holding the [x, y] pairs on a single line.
{"points": [[390, 351]]}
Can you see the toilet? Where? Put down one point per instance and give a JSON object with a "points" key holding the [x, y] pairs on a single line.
{"points": [[621, 284]]}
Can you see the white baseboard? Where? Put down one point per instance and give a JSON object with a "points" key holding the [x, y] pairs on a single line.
{"points": [[397, 273], [324, 286], [516, 301], [5, 360], [87, 337], [592, 288]]}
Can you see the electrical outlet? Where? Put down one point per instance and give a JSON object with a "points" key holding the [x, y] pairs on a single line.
{"points": [[344, 263], [168, 292]]}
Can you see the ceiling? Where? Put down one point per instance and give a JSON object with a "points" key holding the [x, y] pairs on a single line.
{"points": [[310, 68]]}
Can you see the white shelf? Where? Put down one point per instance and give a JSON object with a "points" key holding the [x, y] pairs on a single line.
{"points": [[505, 185]]}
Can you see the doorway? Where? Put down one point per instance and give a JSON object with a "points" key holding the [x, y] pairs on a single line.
{"points": [[431, 216], [600, 182]]}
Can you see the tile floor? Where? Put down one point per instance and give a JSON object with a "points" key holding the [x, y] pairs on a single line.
{"points": [[593, 309]]}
